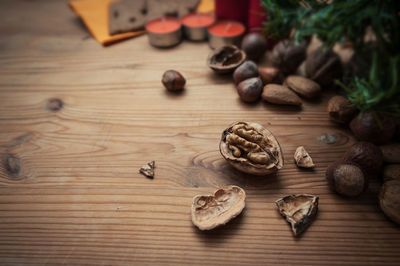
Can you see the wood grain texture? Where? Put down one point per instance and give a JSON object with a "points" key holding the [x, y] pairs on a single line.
{"points": [[78, 120]]}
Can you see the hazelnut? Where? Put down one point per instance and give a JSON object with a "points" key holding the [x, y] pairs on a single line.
{"points": [[173, 80], [346, 179], [340, 109], [250, 89], [226, 59], [270, 75], [372, 127], [389, 200], [287, 56], [245, 71], [323, 66], [367, 155], [254, 45]]}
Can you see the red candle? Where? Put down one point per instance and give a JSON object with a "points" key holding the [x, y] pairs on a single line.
{"points": [[164, 32], [195, 25], [225, 32]]}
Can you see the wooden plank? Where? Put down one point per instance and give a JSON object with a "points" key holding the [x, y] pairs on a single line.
{"points": [[77, 120]]}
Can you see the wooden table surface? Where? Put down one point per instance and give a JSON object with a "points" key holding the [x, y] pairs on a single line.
{"points": [[77, 121]]}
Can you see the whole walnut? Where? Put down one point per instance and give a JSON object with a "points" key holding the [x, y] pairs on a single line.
{"points": [[287, 56], [323, 66]]}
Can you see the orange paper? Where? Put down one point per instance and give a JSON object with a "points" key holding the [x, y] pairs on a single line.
{"points": [[94, 14]]}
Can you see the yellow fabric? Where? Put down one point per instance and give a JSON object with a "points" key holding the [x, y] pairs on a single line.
{"points": [[94, 14]]}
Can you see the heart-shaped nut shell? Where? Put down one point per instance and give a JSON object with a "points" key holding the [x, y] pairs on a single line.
{"points": [[211, 211], [251, 148]]}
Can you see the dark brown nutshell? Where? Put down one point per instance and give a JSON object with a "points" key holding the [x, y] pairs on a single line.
{"points": [[287, 56], [366, 127], [367, 155], [389, 200], [245, 71], [173, 80], [323, 66], [340, 110], [254, 45], [346, 179], [226, 59], [250, 90], [270, 74]]}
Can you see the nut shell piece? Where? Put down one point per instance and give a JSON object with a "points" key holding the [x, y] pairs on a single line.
{"points": [[302, 158], [251, 148], [211, 211], [226, 59], [298, 210], [389, 200]]}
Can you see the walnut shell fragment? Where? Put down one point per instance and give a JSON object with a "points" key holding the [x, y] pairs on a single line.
{"points": [[148, 169], [211, 211], [251, 148], [303, 158], [298, 210], [226, 59]]}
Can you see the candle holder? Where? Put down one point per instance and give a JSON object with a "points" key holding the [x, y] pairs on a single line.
{"points": [[225, 32], [195, 25], [164, 32]]}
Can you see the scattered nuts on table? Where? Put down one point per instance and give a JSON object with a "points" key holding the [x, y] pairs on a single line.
{"points": [[251, 148], [173, 80], [298, 210], [278, 94], [391, 152], [340, 109], [245, 71], [389, 200], [303, 86], [148, 169], [346, 179], [226, 59], [211, 211], [250, 90], [302, 158], [367, 155]]}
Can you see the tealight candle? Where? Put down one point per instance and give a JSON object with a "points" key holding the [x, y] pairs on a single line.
{"points": [[164, 32], [225, 32], [195, 25]]}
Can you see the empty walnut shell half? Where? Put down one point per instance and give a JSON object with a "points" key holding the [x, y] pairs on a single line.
{"points": [[298, 210], [251, 148], [211, 211], [226, 59]]}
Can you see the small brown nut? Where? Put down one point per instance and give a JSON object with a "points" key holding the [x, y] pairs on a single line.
{"points": [[302, 158], [173, 80], [251, 148], [226, 59], [254, 45], [211, 211], [250, 90], [391, 152], [270, 75], [373, 127], [287, 56], [303, 86], [391, 171], [367, 155], [346, 179], [245, 71], [298, 210], [389, 200], [278, 94], [340, 109], [323, 66]]}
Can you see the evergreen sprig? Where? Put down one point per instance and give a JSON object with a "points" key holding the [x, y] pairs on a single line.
{"points": [[348, 20]]}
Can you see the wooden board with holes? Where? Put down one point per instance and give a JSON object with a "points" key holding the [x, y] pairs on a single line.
{"points": [[78, 120]]}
